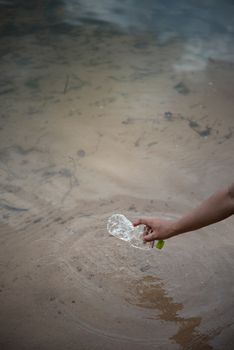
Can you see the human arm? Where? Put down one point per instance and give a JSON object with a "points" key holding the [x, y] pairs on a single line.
{"points": [[216, 208]]}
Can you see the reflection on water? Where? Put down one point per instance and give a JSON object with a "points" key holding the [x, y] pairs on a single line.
{"points": [[114, 107], [149, 292]]}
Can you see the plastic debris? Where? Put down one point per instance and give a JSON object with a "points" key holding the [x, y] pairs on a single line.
{"points": [[120, 227]]}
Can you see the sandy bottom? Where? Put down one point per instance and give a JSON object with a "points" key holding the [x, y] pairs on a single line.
{"points": [[93, 124]]}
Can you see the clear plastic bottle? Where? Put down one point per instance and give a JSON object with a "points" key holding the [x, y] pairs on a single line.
{"points": [[120, 227]]}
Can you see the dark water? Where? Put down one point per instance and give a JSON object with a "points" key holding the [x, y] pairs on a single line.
{"points": [[205, 27], [191, 18]]}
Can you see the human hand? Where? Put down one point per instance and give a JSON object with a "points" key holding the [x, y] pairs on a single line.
{"points": [[155, 229]]}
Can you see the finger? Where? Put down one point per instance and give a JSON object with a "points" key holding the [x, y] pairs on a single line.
{"points": [[136, 222], [147, 230], [141, 221], [149, 237]]}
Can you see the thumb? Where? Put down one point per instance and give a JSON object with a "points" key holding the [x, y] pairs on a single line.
{"points": [[142, 221]]}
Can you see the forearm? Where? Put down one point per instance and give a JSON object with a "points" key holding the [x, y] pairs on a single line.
{"points": [[216, 208]]}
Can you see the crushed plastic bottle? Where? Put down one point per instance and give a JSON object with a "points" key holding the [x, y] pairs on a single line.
{"points": [[120, 227]]}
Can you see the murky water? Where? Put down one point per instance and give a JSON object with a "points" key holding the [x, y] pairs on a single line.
{"points": [[114, 107]]}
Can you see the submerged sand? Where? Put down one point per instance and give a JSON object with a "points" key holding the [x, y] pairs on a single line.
{"points": [[94, 124]]}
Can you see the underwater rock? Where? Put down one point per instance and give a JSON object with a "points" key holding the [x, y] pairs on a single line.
{"points": [[199, 130], [181, 88], [81, 153], [168, 116]]}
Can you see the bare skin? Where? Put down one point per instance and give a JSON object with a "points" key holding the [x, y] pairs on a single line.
{"points": [[216, 208]]}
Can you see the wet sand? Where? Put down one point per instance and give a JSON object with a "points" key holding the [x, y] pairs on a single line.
{"points": [[95, 123]]}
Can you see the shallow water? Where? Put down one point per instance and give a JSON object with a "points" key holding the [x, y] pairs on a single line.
{"points": [[114, 107]]}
